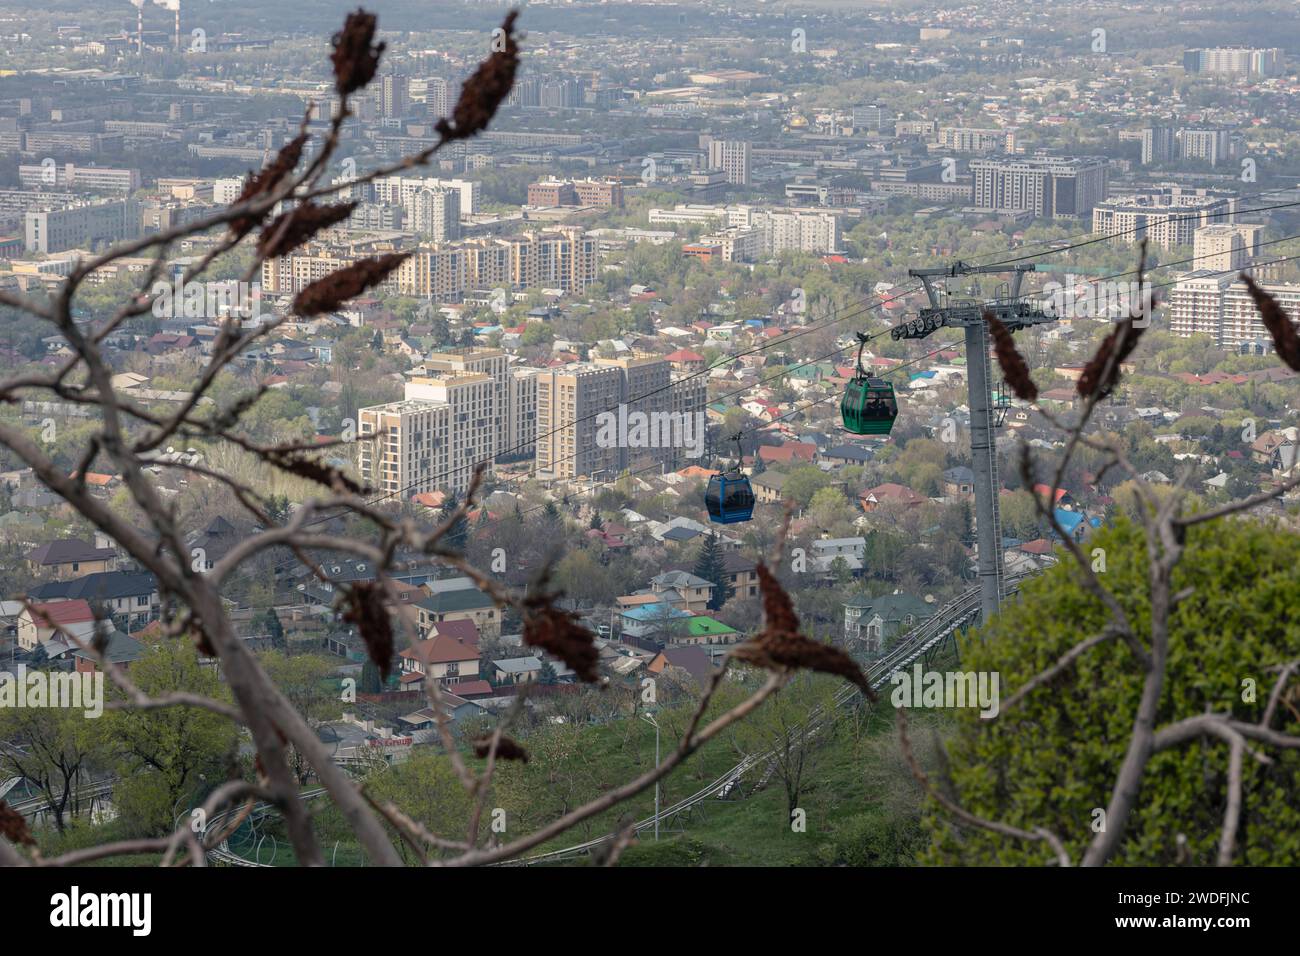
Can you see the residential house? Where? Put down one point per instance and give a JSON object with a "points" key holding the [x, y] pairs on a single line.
{"points": [[959, 481], [516, 670], [767, 487], [100, 485], [658, 623], [683, 590], [691, 661], [846, 455], [121, 651], [1276, 449], [1062, 498], [213, 543], [889, 493], [876, 622], [422, 725], [131, 597], [1075, 523], [462, 603], [826, 551], [742, 574], [713, 636], [40, 623], [444, 658], [790, 452], [464, 631], [684, 360], [70, 556]]}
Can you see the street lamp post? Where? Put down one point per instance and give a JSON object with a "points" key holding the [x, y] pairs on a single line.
{"points": [[649, 718]]}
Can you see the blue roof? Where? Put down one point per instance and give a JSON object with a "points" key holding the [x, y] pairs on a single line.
{"points": [[655, 612], [1069, 520], [487, 330]]}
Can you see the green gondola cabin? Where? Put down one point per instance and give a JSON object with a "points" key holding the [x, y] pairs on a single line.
{"points": [[869, 406]]}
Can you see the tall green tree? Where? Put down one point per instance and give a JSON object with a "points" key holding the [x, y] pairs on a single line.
{"points": [[710, 564], [1053, 759], [54, 748], [371, 682], [274, 629], [168, 755], [459, 531]]}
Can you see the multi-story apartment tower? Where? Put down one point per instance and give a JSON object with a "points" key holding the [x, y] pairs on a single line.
{"points": [[1220, 306], [1048, 187], [570, 398], [732, 156], [1166, 215]]}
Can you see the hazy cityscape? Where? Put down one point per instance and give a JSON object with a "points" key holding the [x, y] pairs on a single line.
{"points": [[696, 434]]}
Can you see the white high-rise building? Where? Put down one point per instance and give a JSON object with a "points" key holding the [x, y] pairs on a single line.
{"points": [[1220, 306], [434, 213], [1166, 215], [732, 156], [1208, 145], [1219, 248], [521, 414], [398, 190], [1049, 187], [434, 438]]}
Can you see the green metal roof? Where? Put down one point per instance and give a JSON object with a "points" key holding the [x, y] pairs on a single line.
{"points": [[706, 626]]}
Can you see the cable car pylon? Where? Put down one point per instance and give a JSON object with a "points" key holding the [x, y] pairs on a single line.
{"points": [[968, 314]]}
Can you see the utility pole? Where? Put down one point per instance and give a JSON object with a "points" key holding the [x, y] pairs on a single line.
{"points": [[968, 315], [649, 718]]}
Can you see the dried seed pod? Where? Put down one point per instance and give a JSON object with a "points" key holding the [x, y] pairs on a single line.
{"points": [[484, 92], [331, 291], [266, 180], [507, 749], [304, 467], [1280, 325], [363, 605], [780, 646], [13, 827], [559, 632], [356, 56], [1101, 374], [797, 652], [290, 230], [1014, 369]]}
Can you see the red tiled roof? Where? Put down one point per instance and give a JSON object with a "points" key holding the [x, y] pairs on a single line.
{"points": [[466, 632], [891, 491], [1044, 489], [471, 688], [96, 479], [440, 650], [803, 451], [62, 613]]}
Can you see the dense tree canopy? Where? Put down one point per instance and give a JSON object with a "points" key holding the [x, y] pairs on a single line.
{"points": [[1053, 759]]}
